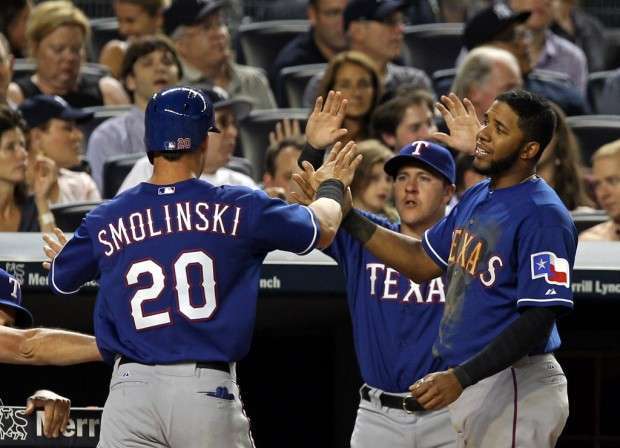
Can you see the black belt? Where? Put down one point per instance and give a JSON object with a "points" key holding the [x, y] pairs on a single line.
{"points": [[407, 403], [215, 365]]}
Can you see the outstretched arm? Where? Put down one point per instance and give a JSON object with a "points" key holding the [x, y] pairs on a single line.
{"points": [[44, 346]]}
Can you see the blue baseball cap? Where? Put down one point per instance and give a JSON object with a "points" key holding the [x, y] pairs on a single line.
{"points": [[428, 154], [11, 297], [378, 10], [178, 118], [39, 109]]}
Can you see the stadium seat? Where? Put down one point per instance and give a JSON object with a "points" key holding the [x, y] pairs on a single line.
{"points": [[101, 114], [593, 131], [585, 220], [103, 30], [612, 53], [69, 216], [23, 68], [295, 79], [596, 83], [254, 133], [115, 171], [262, 41], [442, 81], [433, 46], [264, 10]]}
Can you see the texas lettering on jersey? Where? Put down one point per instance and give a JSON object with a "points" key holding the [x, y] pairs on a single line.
{"points": [[384, 284], [178, 217], [467, 250]]}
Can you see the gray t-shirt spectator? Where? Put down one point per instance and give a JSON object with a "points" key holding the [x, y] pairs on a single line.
{"points": [[561, 55], [609, 102], [396, 76], [114, 137]]}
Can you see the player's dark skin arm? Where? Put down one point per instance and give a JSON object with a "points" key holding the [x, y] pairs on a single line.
{"points": [[439, 389], [44, 346]]}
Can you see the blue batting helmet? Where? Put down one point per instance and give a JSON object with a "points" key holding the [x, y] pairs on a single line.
{"points": [[178, 119], [11, 298]]}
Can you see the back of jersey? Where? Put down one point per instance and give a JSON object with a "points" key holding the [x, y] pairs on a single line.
{"points": [[179, 268]]}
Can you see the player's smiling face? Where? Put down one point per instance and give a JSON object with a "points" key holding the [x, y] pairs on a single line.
{"points": [[499, 141]]}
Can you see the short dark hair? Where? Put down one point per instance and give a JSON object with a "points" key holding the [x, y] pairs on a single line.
{"points": [[275, 149], [152, 7], [537, 120], [9, 12], [388, 115], [145, 45]]}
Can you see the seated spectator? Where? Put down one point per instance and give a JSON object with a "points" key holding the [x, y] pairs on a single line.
{"points": [[372, 186], [6, 72], [498, 26], [13, 19], [202, 40], [606, 173], [404, 119], [55, 139], [150, 65], [228, 111], [57, 34], [318, 45], [280, 165], [136, 18], [20, 211], [376, 29], [584, 30], [354, 74], [548, 50], [484, 74], [610, 97], [561, 167]]}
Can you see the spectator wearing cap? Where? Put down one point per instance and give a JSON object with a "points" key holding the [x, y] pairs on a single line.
{"points": [[21, 211], [203, 42], [376, 28], [21, 344], [57, 34], [484, 74], [228, 111], [136, 18], [548, 50], [404, 119], [150, 65], [606, 174], [56, 141], [499, 26], [318, 45]]}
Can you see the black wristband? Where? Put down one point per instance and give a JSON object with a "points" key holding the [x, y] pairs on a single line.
{"points": [[332, 189], [312, 155], [359, 226], [462, 376]]}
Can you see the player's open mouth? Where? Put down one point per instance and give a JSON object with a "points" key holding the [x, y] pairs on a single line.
{"points": [[410, 203], [480, 151]]}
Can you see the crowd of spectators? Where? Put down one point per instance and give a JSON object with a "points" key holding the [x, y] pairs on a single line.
{"points": [[50, 154]]}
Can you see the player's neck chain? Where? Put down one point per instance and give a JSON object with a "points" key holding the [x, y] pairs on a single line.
{"points": [[529, 178]]}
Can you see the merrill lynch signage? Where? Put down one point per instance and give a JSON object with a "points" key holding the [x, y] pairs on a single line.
{"points": [[19, 430]]}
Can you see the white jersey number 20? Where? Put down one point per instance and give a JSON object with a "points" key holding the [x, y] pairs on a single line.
{"points": [[181, 285]]}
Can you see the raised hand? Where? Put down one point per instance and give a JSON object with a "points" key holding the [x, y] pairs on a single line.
{"points": [[303, 179], [53, 246], [324, 126], [45, 177], [462, 121], [341, 164], [284, 129]]}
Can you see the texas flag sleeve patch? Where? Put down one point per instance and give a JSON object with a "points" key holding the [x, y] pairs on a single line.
{"points": [[553, 269]]}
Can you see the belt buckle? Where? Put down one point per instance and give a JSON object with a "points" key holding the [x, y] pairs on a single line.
{"points": [[405, 404]]}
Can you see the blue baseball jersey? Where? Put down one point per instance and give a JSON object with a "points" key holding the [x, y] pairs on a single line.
{"points": [[178, 267], [395, 321], [503, 250]]}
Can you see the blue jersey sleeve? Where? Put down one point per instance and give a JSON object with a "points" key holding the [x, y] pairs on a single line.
{"points": [[546, 255], [438, 239], [278, 225], [75, 264]]}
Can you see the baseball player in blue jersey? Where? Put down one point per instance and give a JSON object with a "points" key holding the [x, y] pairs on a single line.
{"points": [[507, 249], [395, 321], [178, 263]]}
